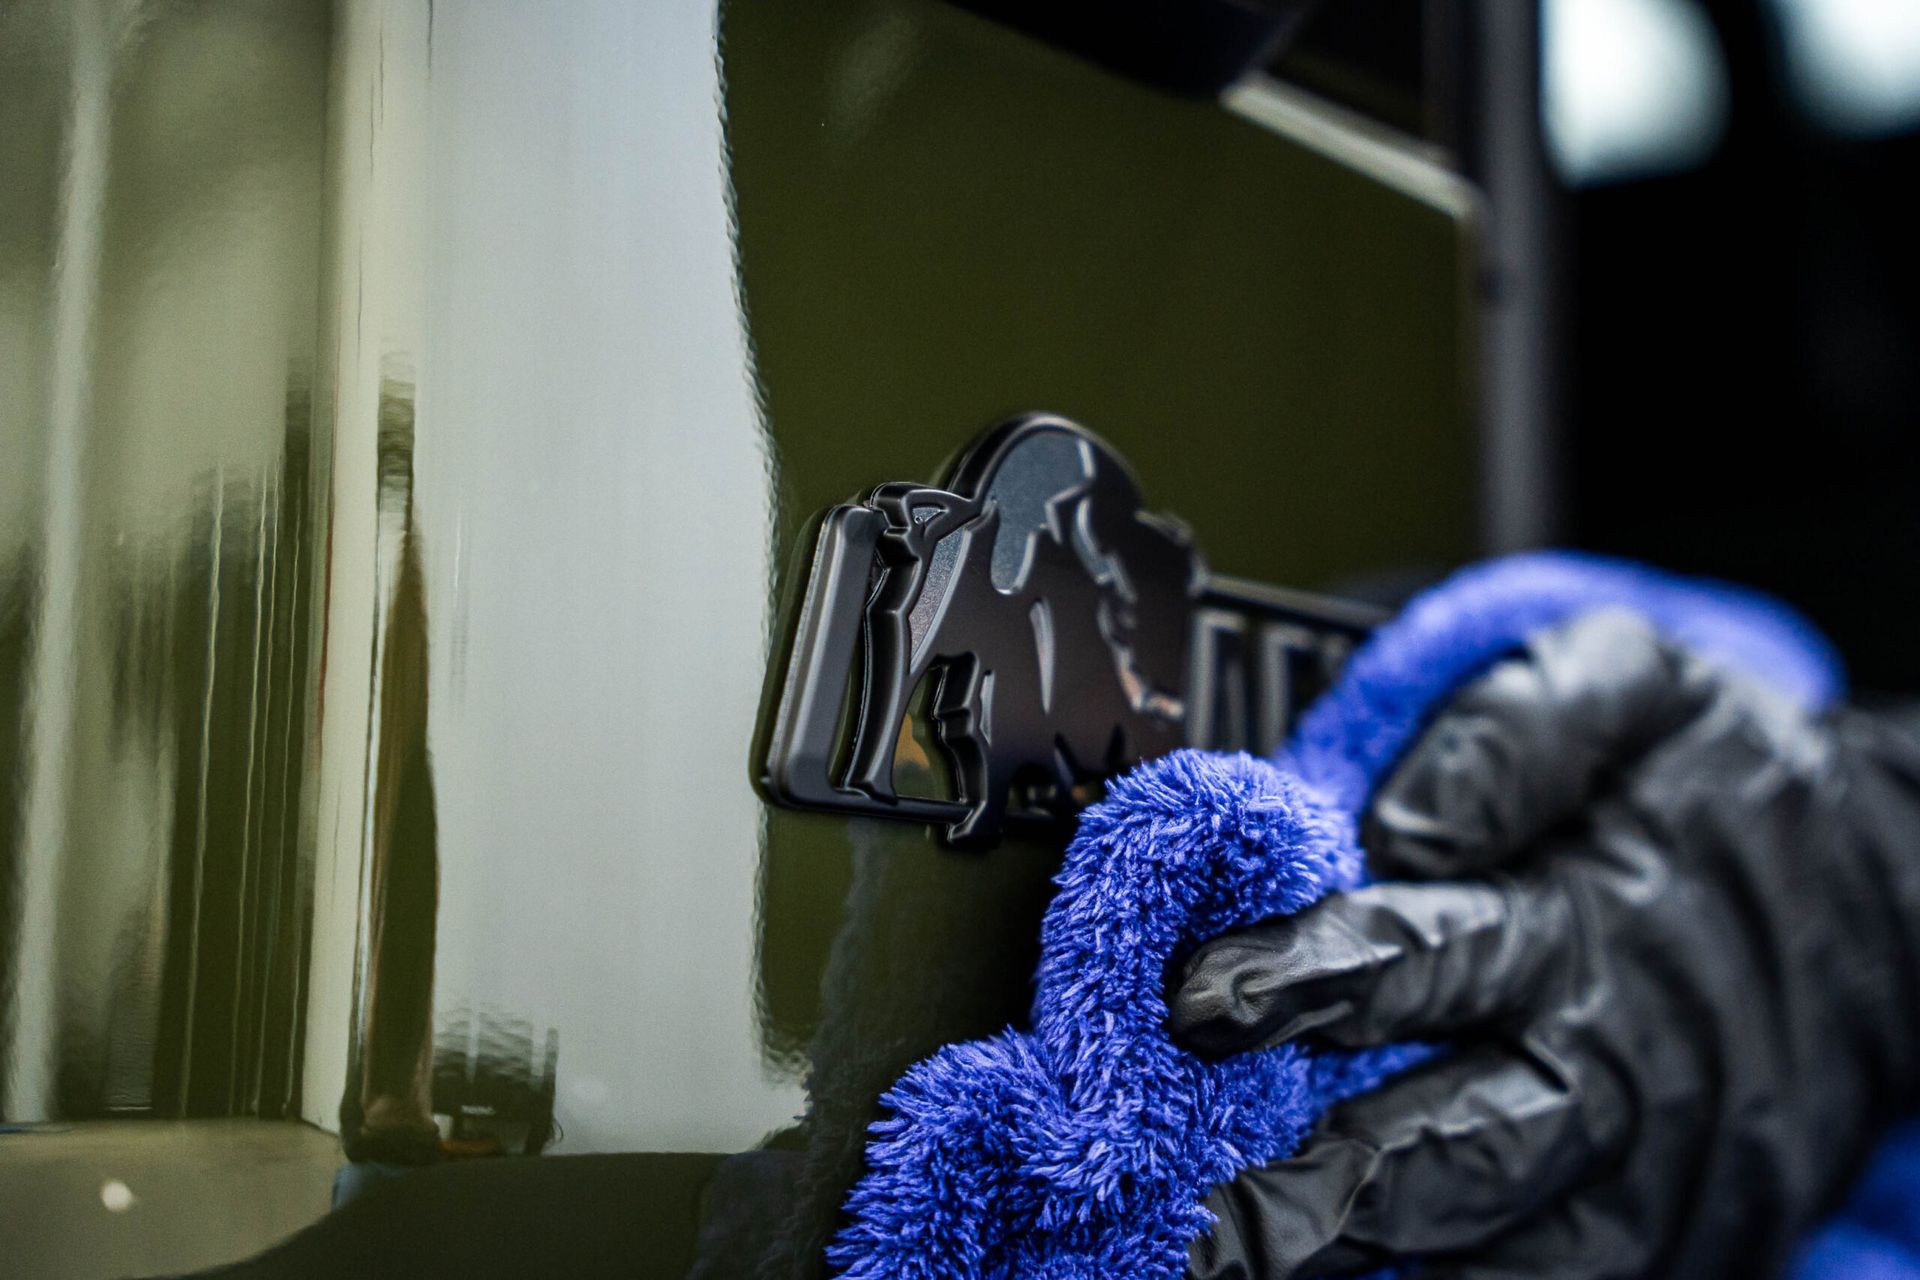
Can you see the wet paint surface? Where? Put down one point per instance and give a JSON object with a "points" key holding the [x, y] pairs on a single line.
{"points": [[941, 224], [159, 230], [637, 348]]}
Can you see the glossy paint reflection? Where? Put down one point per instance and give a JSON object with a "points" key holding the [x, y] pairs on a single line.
{"points": [[158, 241], [452, 695], [592, 502], [941, 222]]}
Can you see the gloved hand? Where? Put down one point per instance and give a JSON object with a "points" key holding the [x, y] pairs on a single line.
{"points": [[1670, 925]]}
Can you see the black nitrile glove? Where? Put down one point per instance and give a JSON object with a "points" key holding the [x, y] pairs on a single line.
{"points": [[1671, 926]]}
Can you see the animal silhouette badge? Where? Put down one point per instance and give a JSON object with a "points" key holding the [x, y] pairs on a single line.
{"points": [[1055, 630]]}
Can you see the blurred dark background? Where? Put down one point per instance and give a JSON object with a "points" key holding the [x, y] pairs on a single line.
{"points": [[1738, 391], [1700, 260]]}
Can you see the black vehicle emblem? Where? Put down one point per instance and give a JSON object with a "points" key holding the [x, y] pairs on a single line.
{"points": [[1052, 630]]}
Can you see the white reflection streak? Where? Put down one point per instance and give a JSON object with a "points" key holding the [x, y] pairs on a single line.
{"points": [[249, 847], [29, 1057], [266, 844], [591, 449], [206, 767], [300, 866]]}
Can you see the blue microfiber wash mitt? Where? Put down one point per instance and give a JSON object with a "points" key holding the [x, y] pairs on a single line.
{"points": [[1083, 1147]]}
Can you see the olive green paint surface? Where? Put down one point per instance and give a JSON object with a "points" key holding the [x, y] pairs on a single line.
{"points": [[941, 223], [159, 548]]}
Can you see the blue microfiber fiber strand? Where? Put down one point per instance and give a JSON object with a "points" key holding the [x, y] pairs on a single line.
{"points": [[1083, 1147]]}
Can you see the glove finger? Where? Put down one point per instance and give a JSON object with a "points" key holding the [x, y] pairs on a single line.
{"points": [[1527, 746], [1383, 963], [1443, 1160]]}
